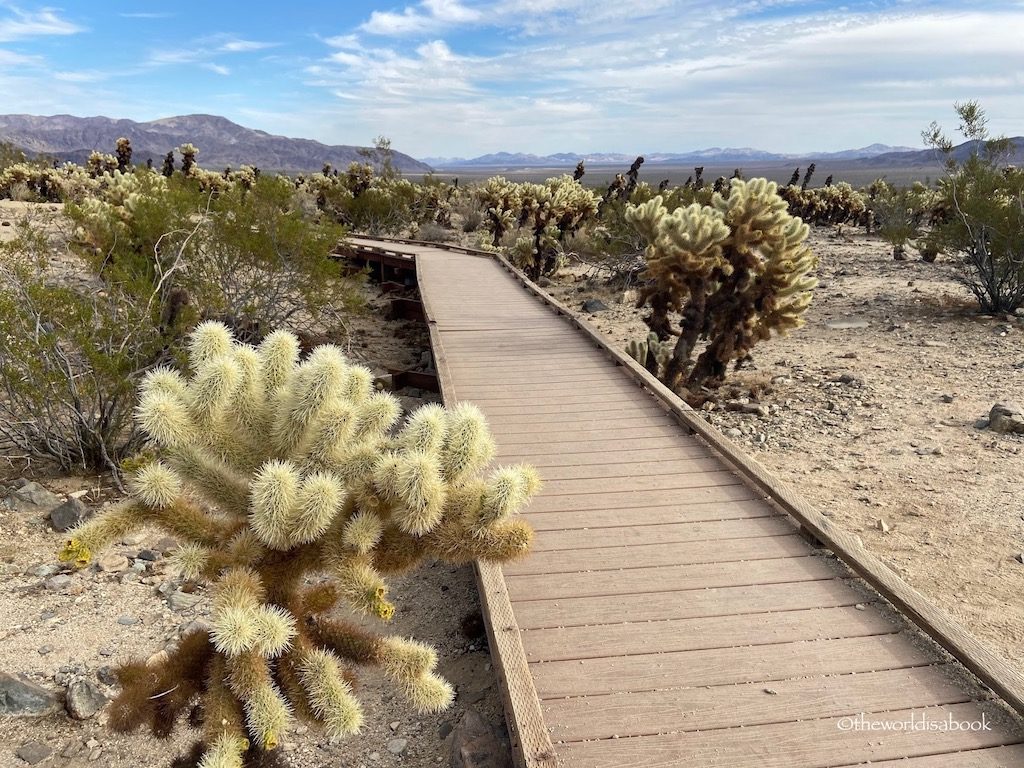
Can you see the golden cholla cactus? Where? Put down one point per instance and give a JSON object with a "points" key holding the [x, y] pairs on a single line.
{"points": [[734, 270], [267, 470]]}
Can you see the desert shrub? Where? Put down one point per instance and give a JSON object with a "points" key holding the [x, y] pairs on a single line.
{"points": [[900, 213], [433, 233], [268, 471], [983, 200], [70, 358], [735, 272], [247, 253]]}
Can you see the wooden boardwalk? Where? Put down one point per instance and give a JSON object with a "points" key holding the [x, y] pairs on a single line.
{"points": [[671, 614]]}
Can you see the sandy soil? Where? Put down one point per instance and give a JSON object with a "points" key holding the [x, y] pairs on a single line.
{"points": [[878, 423], [102, 618]]}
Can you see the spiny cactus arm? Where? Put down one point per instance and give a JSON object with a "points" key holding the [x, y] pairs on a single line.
{"points": [[266, 712], [320, 380], [329, 694], [223, 722], [214, 479], [460, 541], [363, 586], [408, 663], [468, 445], [181, 519]]}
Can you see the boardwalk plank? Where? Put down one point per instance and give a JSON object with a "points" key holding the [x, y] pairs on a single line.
{"points": [[697, 634], [703, 603], [668, 578], [646, 556], [682, 710], [726, 666], [808, 744]]}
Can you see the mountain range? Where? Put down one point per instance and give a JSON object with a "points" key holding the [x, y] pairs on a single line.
{"points": [[874, 155], [221, 142]]}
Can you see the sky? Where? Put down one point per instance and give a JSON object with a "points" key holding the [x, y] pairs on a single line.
{"points": [[460, 78]]}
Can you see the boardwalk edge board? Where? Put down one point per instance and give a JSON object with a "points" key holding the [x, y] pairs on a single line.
{"points": [[992, 670]]}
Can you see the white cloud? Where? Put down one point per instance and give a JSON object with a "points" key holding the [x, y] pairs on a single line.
{"points": [[22, 25], [429, 16], [244, 46], [220, 69]]}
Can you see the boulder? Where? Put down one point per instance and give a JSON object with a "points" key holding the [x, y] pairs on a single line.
{"points": [[84, 700], [1006, 418], [31, 497], [68, 515]]}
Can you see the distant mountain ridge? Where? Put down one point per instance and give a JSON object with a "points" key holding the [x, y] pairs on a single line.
{"points": [[221, 142], [880, 155]]}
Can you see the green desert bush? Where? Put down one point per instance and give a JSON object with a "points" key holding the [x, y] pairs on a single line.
{"points": [[266, 471], [983, 200], [733, 272], [70, 359]]}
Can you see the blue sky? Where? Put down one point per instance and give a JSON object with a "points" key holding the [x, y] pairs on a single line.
{"points": [[465, 77]]}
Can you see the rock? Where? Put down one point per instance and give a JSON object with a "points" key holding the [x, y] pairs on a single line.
{"points": [[31, 497], [20, 698], [733, 433], [934, 344], [43, 570], [182, 601], [44, 649], [850, 380], [543, 282], [127, 621], [106, 675], [84, 700], [68, 515], [150, 555], [883, 526], [397, 746], [593, 306], [58, 582], [475, 745], [1006, 418], [33, 752], [165, 545], [947, 398], [113, 563], [847, 324]]}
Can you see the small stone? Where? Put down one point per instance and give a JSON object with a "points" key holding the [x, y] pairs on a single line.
{"points": [[20, 698], [476, 745], [45, 649], [946, 398], [593, 306], [107, 650], [394, 725], [1019, 557], [374, 756], [127, 621], [150, 555], [847, 324], [113, 563], [58, 582], [882, 526], [850, 380], [733, 433], [165, 545], [84, 700], [68, 515], [33, 752], [543, 282], [106, 675], [934, 344], [31, 497], [1006, 418], [182, 601], [42, 571], [134, 539], [397, 746]]}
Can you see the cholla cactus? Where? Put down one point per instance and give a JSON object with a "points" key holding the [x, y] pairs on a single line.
{"points": [[736, 271], [268, 470], [124, 154], [188, 158]]}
